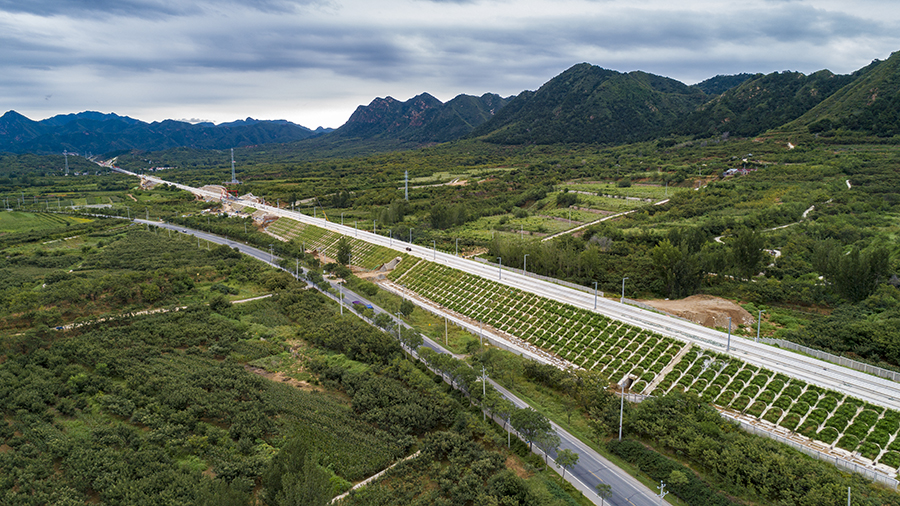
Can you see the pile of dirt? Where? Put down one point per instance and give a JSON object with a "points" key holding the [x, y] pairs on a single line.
{"points": [[705, 310]]}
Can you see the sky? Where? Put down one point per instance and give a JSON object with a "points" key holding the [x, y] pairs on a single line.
{"points": [[314, 61]]}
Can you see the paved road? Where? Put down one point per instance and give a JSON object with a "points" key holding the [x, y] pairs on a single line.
{"points": [[592, 468], [869, 388]]}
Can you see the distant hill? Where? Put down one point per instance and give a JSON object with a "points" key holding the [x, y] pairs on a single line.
{"points": [[720, 84], [422, 119], [589, 104], [870, 104], [102, 133], [762, 103]]}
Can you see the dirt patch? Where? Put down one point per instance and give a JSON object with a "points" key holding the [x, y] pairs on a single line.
{"points": [[705, 310], [132, 197], [281, 378], [5, 448], [514, 464]]}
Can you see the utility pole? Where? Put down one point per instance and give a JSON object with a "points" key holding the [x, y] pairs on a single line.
{"points": [[434, 250], [500, 270], [446, 332], [406, 191], [622, 301], [457, 246], [525, 265], [595, 295]]}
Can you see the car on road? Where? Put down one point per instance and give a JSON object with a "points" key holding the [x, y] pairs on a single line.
{"points": [[368, 306]]}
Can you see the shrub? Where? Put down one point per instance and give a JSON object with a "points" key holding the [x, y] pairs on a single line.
{"points": [[849, 442], [756, 409], [740, 403], [891, 459], [790, 421], [827, 435], [773, 415]]}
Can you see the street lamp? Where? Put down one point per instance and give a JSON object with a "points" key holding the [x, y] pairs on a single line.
{"points": [[457, 246], [271, 254], [525, 265], [595, 295], [433, 249], [390, 237], [500, 270], [374, 222], [410, 235], [728, 347], [622, 301]]}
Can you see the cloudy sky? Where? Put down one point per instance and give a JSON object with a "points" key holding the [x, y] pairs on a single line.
{"points": [[314, 61]]}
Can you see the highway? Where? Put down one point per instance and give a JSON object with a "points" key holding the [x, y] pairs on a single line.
{"points": [[591, 469], [863, 386]]}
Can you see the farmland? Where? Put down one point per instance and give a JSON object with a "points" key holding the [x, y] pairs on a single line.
{"points": [[658, 364]]}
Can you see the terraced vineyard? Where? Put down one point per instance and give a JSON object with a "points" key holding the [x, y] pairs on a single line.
{"points": [[659, 364], [364, 254], [583, 338]]}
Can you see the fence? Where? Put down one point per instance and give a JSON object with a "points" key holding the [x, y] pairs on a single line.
{"points": [[835, 359], [542, 278], [845, 464]]}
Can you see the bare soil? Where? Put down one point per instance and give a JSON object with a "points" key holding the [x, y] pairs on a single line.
{"points": [[281, 378], [705, 310]]}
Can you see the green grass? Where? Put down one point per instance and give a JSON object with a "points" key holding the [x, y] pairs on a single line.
{"points": [[16, 221]]}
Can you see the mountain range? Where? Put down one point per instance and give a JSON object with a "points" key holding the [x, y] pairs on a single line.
{"points": [[584, 104]]}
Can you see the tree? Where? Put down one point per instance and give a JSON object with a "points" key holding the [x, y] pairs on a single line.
{"points": [[344, 249], [747, 253], [293, 478], [604, 490], [532, 425], [547, 442], [407, 307], [410, 338], [566, 459]]}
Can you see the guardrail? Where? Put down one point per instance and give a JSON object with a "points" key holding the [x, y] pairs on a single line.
{"points": [[845, 464], [835, 359]]}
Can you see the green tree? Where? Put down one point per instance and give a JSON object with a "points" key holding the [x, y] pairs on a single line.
{"points": [[344, 249], [747, 253], [407, 307], [293, 478], [566, 459], [532, 425], [604, 490]]}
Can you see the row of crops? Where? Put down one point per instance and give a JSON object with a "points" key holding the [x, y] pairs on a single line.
{"points": [[586, 339], [827, 416], [365, 255], [593, 341]]}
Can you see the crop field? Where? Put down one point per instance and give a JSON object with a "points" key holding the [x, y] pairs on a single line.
{"points": [[364, 254], [660, 364], [14, 221], [583, 338]]}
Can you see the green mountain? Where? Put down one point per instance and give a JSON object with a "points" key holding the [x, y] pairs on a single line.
{"points": [[589, 104], [422, 119], [762, 103], [96, 132], [721, 83], [871, 104]]}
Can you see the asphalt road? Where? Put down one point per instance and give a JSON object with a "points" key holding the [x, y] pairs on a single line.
{"points": [[591, 469]]}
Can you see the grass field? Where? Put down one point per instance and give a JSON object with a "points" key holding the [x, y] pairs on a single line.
{"points": [[15, 221]]}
